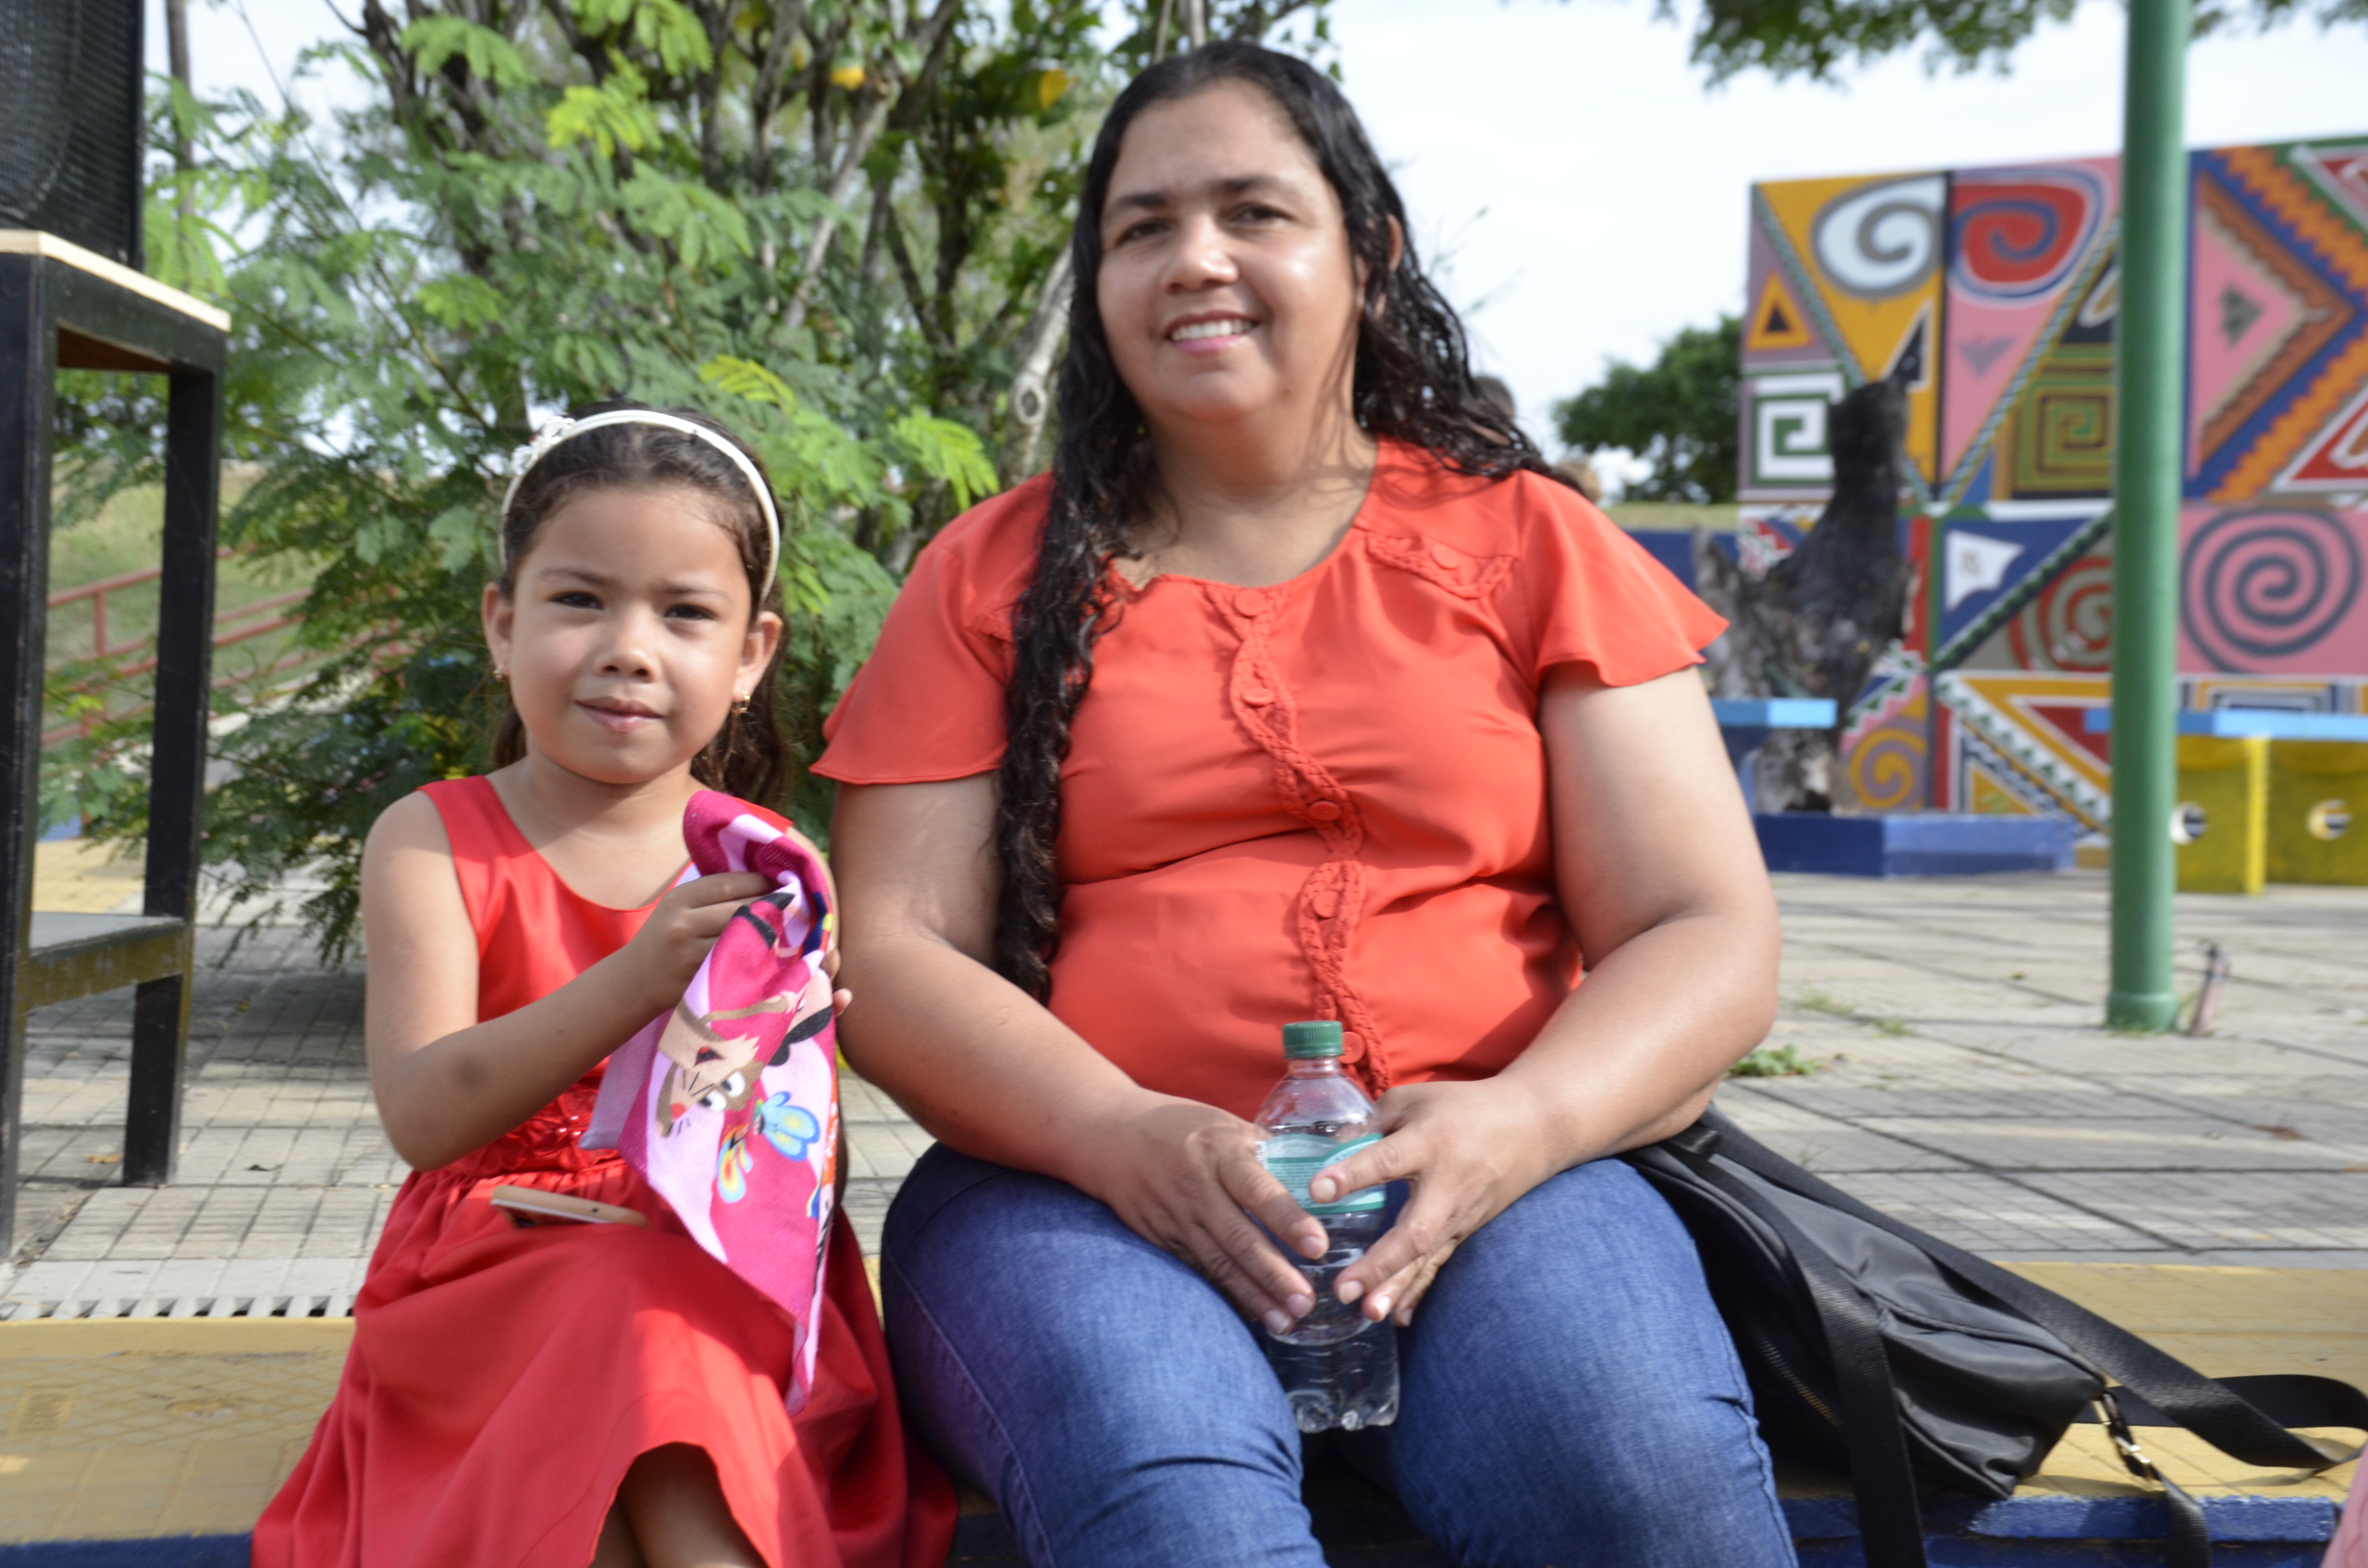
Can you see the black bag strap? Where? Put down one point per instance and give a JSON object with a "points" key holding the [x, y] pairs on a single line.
{"points": [[2292, 1399], [2190, 1539], [1890, 1524], [2211, 1410]]}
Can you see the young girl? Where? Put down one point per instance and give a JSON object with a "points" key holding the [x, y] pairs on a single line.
{"points": [[557, 1394]]}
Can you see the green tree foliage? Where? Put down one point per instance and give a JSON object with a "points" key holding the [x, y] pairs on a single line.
{"points": [[1816, 37], [828, 222], [1678, 413]]}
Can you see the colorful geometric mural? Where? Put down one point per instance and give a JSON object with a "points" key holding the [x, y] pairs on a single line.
{"points": [[2019, 742], [1998, 289], [1845, 289], [2272, 588], [2278, 317], [2027, 247], [2068, 624]]}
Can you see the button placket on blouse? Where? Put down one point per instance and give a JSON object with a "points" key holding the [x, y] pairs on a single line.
{"points": [[1332, 900]]}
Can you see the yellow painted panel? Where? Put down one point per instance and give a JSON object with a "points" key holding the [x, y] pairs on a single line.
{"points": [[2318, 812], [2227, 779]]}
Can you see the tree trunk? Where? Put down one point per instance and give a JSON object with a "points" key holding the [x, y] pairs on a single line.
{"points": [[1817, 621], [177, 60]]}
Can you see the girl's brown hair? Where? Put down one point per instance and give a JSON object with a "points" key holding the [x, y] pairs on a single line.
{"points": [[749, 757]]}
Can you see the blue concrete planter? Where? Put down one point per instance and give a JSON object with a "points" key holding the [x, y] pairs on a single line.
{"points": [[1914, 843]]}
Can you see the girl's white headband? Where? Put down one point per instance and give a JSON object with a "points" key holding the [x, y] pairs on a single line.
{"points": [[522, 463]]}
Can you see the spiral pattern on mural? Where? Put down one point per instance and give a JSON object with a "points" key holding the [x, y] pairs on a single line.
{"points": [[2267, 583], [1887, 767], [2070, 624], [2017, 233], [1881, 239]]}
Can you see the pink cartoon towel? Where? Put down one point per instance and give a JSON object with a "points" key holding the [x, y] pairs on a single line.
{"points": [[728, 1105]]}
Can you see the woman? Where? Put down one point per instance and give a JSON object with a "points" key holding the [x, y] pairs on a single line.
{"points": [[1299, 689]]}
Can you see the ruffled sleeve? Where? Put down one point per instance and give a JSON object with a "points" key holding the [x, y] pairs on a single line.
{"points": [[1592, 595], [929, 703]]}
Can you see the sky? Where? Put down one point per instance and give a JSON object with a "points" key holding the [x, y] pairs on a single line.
{"points": [[1581, 189]]}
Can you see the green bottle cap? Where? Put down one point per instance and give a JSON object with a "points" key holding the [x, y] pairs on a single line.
{"points": [[1306, 1042]]}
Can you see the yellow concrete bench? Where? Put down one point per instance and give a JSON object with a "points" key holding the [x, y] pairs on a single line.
{"points": [[157, 1441]]}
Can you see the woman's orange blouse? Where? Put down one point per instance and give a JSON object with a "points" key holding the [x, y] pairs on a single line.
{"points": [[1325, 799]]}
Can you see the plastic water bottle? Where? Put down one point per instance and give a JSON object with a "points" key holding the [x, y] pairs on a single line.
{"points": [[1338, 1370]]}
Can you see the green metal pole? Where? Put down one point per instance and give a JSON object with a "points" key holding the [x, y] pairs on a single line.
{"points": [[2150, 383]]}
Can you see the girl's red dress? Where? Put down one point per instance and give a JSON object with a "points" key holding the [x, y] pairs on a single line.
{"points": [[502, 1379]]}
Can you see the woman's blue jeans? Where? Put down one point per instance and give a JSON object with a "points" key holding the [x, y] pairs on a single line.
{"points": [[1569, 1396]]}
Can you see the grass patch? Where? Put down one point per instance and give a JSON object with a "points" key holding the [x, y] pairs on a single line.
{"points": [[1775, 1061], [1882, 1023], [1674, 514]]}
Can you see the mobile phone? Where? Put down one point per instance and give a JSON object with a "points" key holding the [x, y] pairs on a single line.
{"points": [[534, 1203]]}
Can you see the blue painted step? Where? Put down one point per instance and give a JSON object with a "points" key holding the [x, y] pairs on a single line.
{"points": [[1373, 1532], [1912, 843], [156, 1552]]}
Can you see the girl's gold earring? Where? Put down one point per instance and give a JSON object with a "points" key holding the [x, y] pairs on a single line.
{"points": [[501, 674], [739, 705]]}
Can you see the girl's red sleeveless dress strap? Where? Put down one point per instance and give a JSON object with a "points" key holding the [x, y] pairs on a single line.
{"points": [[502, 1379]]}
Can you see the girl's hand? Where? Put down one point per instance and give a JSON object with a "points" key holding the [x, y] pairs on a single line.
{"points": [[672, 941], [1182, 1175], [840, 999], [1469, 1149]]}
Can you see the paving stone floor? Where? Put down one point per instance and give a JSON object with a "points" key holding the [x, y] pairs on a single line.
{"points": [[1967, 1086], [1962, 1081]]}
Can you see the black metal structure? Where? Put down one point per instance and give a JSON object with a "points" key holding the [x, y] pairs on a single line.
{"points": [[64, 308]]}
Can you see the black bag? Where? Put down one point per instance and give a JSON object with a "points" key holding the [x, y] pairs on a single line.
{"points": [[1878, 1351]]}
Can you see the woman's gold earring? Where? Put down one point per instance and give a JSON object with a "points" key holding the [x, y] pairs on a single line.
{"points": [[739, 705], [501, 674]]}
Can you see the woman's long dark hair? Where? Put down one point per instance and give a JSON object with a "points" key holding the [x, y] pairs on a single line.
{"points": [[748, 756], [1412, 381]]}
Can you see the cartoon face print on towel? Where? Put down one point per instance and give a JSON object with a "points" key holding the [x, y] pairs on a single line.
{"points": [[728, 1105]]}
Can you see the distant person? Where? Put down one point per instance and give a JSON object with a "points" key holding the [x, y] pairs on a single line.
{"points": [[1582, 477], [1300, 688], [1575, 471], [552, 1395], [1492, 391]]}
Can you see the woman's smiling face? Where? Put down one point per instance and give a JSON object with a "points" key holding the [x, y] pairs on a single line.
{"points": [[1227, 286]]}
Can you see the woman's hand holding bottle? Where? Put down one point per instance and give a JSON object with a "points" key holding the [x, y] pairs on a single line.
{"points": [[1469, 1151], [1187, 1178]]}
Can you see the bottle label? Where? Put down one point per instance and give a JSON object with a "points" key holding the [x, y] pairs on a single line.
{"points": [[1294, 1158]]}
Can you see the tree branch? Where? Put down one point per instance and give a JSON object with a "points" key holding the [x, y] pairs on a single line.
{"points": [[910, 275], [932, 39], [771, 89]]}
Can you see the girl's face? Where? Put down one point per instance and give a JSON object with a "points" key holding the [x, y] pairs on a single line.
{"points": [[1227, 285], [630, 634]]}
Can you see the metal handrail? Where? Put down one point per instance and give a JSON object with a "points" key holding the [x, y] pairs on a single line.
{"points": [[227, 631]]}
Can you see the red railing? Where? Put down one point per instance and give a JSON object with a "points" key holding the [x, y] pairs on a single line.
{"points": [[257, 618]]}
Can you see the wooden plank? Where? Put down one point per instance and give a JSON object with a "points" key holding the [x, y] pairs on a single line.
{"points": [[49, 247]]}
